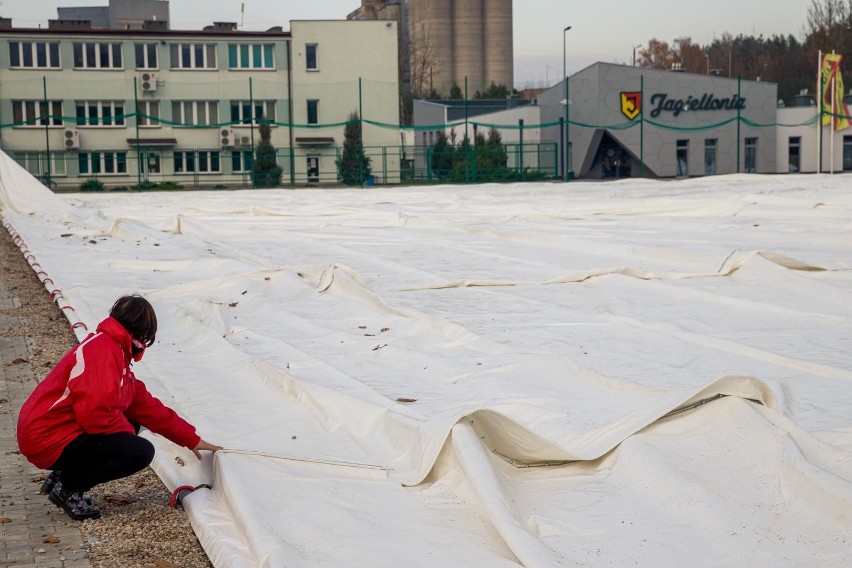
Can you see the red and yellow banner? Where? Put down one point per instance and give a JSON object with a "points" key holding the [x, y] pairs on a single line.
{"points": [[831, 82]]}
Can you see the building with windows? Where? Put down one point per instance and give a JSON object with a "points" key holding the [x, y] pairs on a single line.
{"points": [[630, 122], [804, 147], [148, 104], [692, 125]]}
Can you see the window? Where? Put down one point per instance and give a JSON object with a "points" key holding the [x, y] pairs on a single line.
{"points": [[682, 158], [847, 153], [750, 155], [313, 111], [710, 157], [100, 113], [241, 111], [97, 56], [149, 113], [36, 163], [33, 55], [35, 113], [102, 163], [311, 57], [203, 162], [193, 56], [794, 154], [146, 55], [195, 113], [250, 56], [242, 161]]}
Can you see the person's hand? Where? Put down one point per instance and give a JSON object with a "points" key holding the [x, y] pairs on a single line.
{"points": [[202, 445]]}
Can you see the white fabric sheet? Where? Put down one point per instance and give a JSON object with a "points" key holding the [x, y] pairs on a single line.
{"points": [[484, 375]]}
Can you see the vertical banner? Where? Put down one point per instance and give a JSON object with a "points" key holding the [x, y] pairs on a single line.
{"points": [[832, 95]]}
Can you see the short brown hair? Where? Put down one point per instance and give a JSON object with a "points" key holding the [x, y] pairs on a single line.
{"points": [[137, 316]]}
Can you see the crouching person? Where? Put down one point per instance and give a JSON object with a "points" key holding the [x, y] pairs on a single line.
{"points": [[82, 421]]}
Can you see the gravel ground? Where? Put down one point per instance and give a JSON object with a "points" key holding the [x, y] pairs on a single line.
{"points": [[137, 528]]}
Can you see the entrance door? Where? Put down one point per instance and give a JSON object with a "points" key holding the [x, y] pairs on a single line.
{"points": [[151, 165], [313, 169]]}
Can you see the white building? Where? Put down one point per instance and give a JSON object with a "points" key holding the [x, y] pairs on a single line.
{"points": [[126, 106], [800, 148]]}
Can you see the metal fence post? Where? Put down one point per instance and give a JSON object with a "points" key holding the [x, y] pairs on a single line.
{"points": [[47, 131], [251, 124], [361, 134], [138, 151], [521, 148], [642, 126], [739, 83]]}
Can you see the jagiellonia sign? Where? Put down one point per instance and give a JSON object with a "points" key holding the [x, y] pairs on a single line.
{"points": [[661, 102], [631, 104]]}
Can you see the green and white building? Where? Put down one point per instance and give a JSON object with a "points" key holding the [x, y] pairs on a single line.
{"points": [[153, 104]]}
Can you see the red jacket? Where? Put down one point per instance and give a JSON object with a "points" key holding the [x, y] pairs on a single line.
{"points": [[93, 390]]}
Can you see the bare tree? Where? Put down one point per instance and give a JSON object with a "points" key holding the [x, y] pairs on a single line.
{"points": [[422, 61], [829, 24]]}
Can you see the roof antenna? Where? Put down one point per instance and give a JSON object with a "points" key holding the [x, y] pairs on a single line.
{"points": [[243, 14]]}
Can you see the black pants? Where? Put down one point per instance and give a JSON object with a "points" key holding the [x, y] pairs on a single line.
{"points": [[91, 459]]}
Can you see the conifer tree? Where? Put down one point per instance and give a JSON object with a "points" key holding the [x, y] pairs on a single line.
{"points": [[267, 172], [353, 167]]}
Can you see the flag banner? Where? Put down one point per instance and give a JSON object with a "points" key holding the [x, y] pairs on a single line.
{"points": [[831, 82]]}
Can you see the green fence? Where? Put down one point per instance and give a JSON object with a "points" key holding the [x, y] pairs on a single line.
{"points": [[153, 169]]}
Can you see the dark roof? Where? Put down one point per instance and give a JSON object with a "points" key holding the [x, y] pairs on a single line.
{"points": [[152, 141], [315, 141], [143, 33], [456, 110]]}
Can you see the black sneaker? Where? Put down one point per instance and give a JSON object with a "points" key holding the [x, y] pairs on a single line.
{"points": [[49, 482], [78, 506]]}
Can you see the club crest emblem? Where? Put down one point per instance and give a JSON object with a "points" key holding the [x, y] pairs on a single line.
{"points": [[631, 104]]}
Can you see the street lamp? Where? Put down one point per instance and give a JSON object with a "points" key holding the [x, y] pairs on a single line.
{"points": [[567, 141], [635, 47]]}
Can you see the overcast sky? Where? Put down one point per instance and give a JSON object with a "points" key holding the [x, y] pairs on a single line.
{"points": [[602, 30]]}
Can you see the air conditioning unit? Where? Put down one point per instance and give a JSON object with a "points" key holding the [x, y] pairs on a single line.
{"points": [[226, 137], [245, 141], [71, 138], [149, 82]]}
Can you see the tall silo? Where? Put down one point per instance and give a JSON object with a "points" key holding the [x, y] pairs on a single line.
{"points": [[430, 29], [467, 44], [499, 45]]}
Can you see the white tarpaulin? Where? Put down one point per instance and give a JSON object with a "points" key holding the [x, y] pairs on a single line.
{"points": [[634, 373]]}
